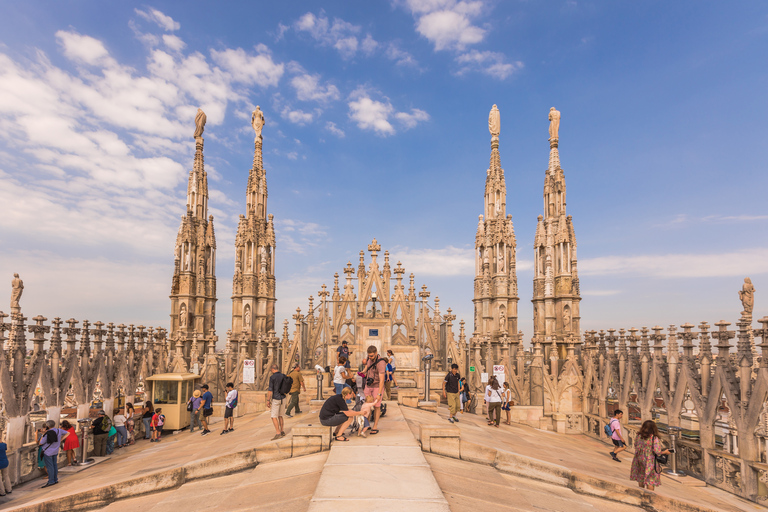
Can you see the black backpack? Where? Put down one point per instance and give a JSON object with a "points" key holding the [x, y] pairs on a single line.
{"points": [[285, 385]]}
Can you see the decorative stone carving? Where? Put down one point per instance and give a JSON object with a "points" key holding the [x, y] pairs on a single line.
{"points": [[17, 288], [747, 296], [257, 121], [200, 119], [494, 121], [554, 123]]}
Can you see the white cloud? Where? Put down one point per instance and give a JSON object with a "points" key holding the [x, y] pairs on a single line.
{"points": [[292, 155], [331, 127], [369, 45], [81, 48], [338, 34], [370, 114], [296, 116], [308, 88], [246, 68], [490, 63], [448, 261], [410, 120], [174, 42], [447, 23], [401, 57], [162, 20], [296, 236], [730, 264]]}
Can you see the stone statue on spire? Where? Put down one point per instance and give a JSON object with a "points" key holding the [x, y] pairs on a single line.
{"points": [[554, 123], [257, 121], [17, 288], [494, 121], [747, 296], [200, 119]]}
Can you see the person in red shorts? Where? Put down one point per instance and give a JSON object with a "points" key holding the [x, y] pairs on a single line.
{"points": [[375, 374]]}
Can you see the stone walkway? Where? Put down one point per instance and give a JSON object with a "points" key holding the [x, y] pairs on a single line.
{"points": [[578, 453], [386, 472]]}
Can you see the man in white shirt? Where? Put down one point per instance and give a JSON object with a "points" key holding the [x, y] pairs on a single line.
{"points": [[229, 409]]}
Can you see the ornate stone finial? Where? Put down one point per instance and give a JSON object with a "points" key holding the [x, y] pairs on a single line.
{"points": [[494, 121], [554, 123], [257, 121], [200, 119], [746, 295], [374, 247], [17, 288]]}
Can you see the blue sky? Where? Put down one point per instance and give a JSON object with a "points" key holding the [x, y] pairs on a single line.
{"points": [[377, 127]]}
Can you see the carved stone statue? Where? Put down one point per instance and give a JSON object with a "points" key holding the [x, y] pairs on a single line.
{"points": [[502, 320], [554, 123], [247, 318], [200, 119], [494, 121], [183, 316], [747, 296], [500, 262], [567, 319], [17, 288], [257, 121]]}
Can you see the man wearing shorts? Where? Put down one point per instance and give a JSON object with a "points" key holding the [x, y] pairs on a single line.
{"points": [[276, 401], [229, 409], [335, 413], [619, 444], [375, 373], [207, 408]]}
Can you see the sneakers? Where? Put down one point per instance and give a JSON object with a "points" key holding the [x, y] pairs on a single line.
{"points": [[282, 434], [455, 419], [205, 432], [289, 415], [450, 419], [225, 431], [614, 457]]}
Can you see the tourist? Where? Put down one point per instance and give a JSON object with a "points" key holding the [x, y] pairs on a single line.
{"points": [[298, 385], [111, 436], [51, 442], [493, 398], [392, 362], [276, 400], [374, 382], [335, 413], [451, 392], [506, 404], [5, 474], [388, 381], [130, 424], [619, 443], [464, 392], [146, 418], [100, 431], [647, 447], [40, 460], [229, 409], [71, 444], [156, 424], [207, 408], [194, 415], [343, 350], [118, 420], [341, 374]]}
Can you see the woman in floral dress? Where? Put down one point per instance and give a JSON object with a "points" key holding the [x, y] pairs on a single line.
{"points": [[647, 446]]}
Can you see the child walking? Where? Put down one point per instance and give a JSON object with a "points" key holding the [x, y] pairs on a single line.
{"points": [[157, 425]]}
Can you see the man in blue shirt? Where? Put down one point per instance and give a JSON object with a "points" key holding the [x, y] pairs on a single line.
{"points": [[207, 399], [51, 441]]}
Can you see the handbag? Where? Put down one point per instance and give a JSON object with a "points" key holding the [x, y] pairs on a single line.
{"points": [[660, 460], [190, 407]]}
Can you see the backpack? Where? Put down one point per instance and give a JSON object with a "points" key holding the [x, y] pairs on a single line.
{"points": [[160, 420], [106, 423], [608, 430], [286, 384], [190, 407], [234, 402]]}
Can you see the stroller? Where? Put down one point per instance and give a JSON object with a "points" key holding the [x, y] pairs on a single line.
{"points": [[359, 422]]}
